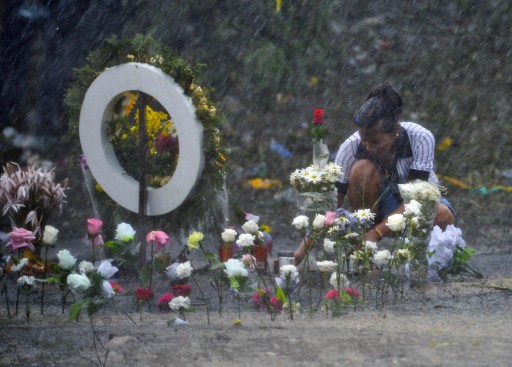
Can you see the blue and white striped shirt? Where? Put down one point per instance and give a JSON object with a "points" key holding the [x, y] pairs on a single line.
{"points": [[415, 155]]}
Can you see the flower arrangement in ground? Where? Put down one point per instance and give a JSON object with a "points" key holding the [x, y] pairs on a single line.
{"points": [[164, 142]]}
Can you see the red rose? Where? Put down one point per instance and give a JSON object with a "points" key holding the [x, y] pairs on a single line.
{"points": [[163, 302], [144, 294], [181, 290], [318, 117]]}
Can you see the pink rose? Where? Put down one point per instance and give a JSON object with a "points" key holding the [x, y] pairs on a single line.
{"points": [[94, 226], [21, 238], [329, 219], [160, 238]]}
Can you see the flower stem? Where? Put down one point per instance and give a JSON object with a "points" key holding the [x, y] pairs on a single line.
{"points": [[44, 276], [204, 300], [27, 307]]}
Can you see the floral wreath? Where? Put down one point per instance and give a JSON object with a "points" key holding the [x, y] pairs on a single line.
{"points": [[145, 49]]}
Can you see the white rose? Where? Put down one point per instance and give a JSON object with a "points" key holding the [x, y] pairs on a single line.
{"points": [[106, 269], [382, 257], [396, 222], [300, 222], [85, 267], [250, 227], [344, 283], [329, 246], [245, 240], [124, 232], [235, 267], [50, 235], [107, 289], [326, 266], [66, 260], [179, 302], [288, 269], [78, 283], [184, 270], [319, 221], [229, 235]]}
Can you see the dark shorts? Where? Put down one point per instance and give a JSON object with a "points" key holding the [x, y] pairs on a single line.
{"points": [[389, 202]]}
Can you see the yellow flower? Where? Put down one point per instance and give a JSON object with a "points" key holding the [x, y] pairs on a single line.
{"points": [[237, 322], [99, 188], [265, 228], [194, 239], [130, 57]]}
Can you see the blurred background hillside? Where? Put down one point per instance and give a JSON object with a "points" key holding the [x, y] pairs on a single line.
{"points": [[271, 63]]}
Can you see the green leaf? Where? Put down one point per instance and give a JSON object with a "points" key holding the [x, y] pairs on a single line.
{"points": [[280, 295], [76, 308], [145, 274]]}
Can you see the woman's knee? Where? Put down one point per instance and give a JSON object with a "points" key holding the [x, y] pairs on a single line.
{"points": [[444, 217]]}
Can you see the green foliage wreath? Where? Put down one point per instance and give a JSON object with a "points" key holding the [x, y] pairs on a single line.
{"points": [[203, 202]]}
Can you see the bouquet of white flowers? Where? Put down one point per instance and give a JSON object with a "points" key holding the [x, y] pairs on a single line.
{"points": [[315, 178]]}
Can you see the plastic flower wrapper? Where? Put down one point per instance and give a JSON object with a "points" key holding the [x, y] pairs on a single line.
{"points": [[448, 255]]}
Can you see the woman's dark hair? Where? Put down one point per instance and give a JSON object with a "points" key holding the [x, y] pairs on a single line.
{"points": [[381, 110]]}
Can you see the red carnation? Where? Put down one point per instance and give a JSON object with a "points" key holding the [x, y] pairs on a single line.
{"points": [[181, 290], [332, 294], [318, 117], [163, 302], [276, 304], [116, 287], [352, 292], [144, 294]]}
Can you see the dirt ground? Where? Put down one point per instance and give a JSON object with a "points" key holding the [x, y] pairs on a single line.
{"points": [[465, 322]]}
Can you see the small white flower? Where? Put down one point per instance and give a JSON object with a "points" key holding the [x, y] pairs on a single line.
{"points": [[319, 221], [85, 267], [246, 240], [20, 265], [66, 260], [329, 246], [106, 269], [288, 269], [124, 232], [78, 283], [184, 270], [396, 222], [413, 208], [382, 257], [229, 235], [326, 266], [300, 222], [369, 245], [235, 268], [179, 303], [344, 283], [364, 215], [403, 253], [250, 227], [26, 280], [50, 235]]}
